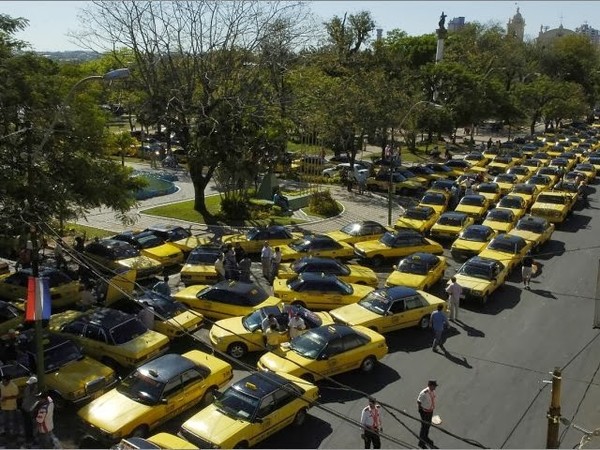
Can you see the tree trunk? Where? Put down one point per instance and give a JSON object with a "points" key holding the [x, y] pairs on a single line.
{"points": [[532, 126], [199, 197]]}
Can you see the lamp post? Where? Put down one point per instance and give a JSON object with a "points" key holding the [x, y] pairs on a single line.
{"points": [[35, 267], [391, 184]]}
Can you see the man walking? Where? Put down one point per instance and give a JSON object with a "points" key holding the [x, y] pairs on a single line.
{"points": [[454, 291], [439, 322], [371, 425], [527, 270], [265, 259], [45, 422], [426, 405], [28, 405], [275, 263]]}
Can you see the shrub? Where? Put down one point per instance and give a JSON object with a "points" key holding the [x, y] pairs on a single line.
{"points": [[322, 204], [234, 209]]}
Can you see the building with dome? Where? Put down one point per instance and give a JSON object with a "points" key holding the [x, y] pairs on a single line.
{"points": [[546, 35], [516, 26]]}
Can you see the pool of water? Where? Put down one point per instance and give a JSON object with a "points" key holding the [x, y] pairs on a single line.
{"points": [[157, 185]]}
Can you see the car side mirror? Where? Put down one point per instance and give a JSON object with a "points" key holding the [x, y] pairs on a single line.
{"points": [[164, 401], [324, 356], [259, 420]]}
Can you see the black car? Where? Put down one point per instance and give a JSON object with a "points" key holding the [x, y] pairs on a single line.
{"points": [[169, 233]]}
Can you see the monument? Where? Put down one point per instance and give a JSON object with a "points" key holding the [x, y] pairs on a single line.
{"points": [[442, 32]]}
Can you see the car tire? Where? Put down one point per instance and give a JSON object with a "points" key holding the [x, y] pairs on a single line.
{"points": [[424, 322], [237, 349], [377, 261], [299, 303], [368, 364], [208, 396], [142, 431], [299, 418]]}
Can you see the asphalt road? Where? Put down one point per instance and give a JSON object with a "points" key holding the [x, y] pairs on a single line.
{"points": [[492, 385]]}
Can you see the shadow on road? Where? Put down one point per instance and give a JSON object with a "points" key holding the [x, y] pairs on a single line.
{"points": [[574, 223], [382, 376], [309, 435], [409, 340], [542, 292], [471, 331], [550, 249], [506, 297], [456, 360]]}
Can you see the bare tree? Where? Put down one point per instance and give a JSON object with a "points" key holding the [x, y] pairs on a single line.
{"points": [[188, 57]]}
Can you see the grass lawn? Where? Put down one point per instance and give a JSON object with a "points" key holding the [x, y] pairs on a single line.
{"points": [[185, 211], [90, 232], [310, 212]]}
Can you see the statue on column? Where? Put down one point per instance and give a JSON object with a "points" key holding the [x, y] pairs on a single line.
{"points": [[442, 21]]}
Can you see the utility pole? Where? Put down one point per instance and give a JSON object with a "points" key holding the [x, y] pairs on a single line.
{"points": [[554, 411]]}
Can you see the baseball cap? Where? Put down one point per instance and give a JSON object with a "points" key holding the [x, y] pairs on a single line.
{"points": [[432, 383], [32, 380]]}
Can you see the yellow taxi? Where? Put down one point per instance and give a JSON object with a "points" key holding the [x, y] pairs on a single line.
{"points": [[395, 245], [240, 335], [225, 299], [476, 159], [418, 271], [171, 318], [535, 230], [358, 231], [521, 172], [479, 277], [500, 220], [199, 268], [110, 254], [154, 393], [508, 249], [554, 173], [436, 200], [588, 169], [417, 218], [251, 410], [157, 441], [567, 187], [254, 239], [532, 164], [527, 192], [491, 191], [554, 151], [318, 291], [543, 158], [402, 185], [506, 181], [515, 203], [553, 206], [450, 224], [64, 291], [594, 161], [471, 241], [491, 153], [474, 205], [562, 163], [500, 164], [180, 237], [322, 352], [543, 182], [462, 166], [350, 273], [390, 309], [316, 245], [111, 336], [152, 246]]}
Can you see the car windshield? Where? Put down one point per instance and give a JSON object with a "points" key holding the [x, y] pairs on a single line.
{"points": [[376, 301], [414, 266], [167, 308], [586, 167], [235, 403], [506, 246], [476, 270], [127, 331], [253, 321], [524, 189], [500, 215], [505, 178], [141, 388], [531, 225], [519, 170], [489, 188], [540, 156], [148, 240], [565, 186], [300, 245], [125, 251], [539, 179], [475, 234], [548, 171], [417, 213], [452, 220], [310, 344], [511, 202], [58, 355], [553, 199], [388, 239], [595, 160], [433, 199], [203, 257], [502, 159], [471, 200], [353, 229]]}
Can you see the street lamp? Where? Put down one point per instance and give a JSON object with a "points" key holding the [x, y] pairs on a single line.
{"points": [[35, 269], [390, 186]]}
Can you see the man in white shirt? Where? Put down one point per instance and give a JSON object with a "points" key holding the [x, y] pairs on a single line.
{"points": [[266, 255], [296, 325], [454, 291], [371, 425], [426, 405]]}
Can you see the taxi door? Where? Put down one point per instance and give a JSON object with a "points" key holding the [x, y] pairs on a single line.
{"points": [[269, 419], [173, 401], [394, 317]]}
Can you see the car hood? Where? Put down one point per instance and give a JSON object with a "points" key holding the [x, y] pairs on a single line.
{"points": [[529, 236], [190, 292], [498, 226], [415, 224], [549, 206], [212, 425], [285, 360], [405, 279], [340, 236], [190, 243], [477, 284], [354, 314], [139, 262], [447, 228], [463, 244], [371, 246], [76, 374], [198, 268], [163, 250], [189, 320], [228, 327], [469, 209]]}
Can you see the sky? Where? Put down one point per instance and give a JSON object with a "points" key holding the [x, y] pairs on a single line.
{"points": [[50, 21]]}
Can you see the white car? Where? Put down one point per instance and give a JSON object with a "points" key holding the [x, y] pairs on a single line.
{"points": [[333, 171]]}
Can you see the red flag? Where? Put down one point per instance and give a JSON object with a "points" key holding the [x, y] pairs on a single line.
{"points": [[38, 299]]}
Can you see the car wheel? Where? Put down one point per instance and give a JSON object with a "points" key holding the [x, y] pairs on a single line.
{"points": [[208, 396], [300, 417], [424, 323], [308, 377], [237, 349], [377, 261], [142, 431], [368, 364], [299, 303]]}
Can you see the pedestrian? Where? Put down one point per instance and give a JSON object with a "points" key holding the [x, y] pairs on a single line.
{"points": [[275, 263], [268, 321], [59, 255], [527, 270], [240, 253], [371, 425], [45, 422], [146, 315], [454, 291], [220, 267], [230, 264], [439, 322], [265, 259], [272, 337], [489, 143], [79, 244], [468, 183], [29, 403], [162, 287], [245, 264], [296, 325], [454, 196], [361, 178], [9, 393], [583, 193], [426, 405]]}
